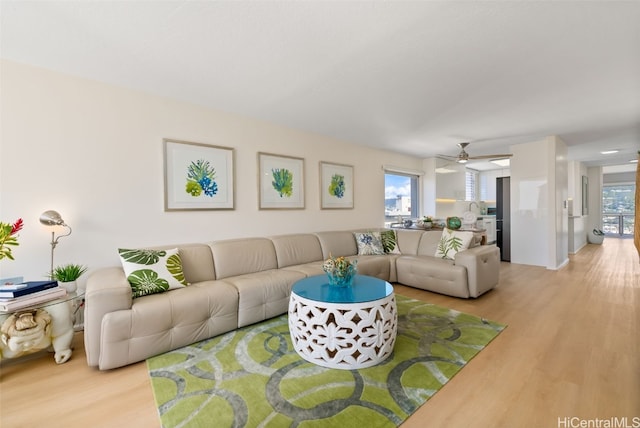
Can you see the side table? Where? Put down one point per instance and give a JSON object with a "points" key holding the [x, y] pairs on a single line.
{"points": [[32, 329], [343, 327]]}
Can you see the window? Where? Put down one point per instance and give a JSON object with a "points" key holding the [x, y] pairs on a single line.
{"points": [[471, 185], [400, 196], [618, 209]]}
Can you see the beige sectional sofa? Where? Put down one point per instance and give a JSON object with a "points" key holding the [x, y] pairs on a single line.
{"points": [[237, 282]]}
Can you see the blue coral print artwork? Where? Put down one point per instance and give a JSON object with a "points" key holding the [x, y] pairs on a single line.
{"points": [[337, 186], [282, 181], [201, 179]]}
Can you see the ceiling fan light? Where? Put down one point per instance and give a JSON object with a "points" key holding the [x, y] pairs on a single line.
{"points": [[463, 160]]}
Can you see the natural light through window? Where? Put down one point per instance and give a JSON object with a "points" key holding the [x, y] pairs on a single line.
{"points": [[618, 209], [400, 196]]}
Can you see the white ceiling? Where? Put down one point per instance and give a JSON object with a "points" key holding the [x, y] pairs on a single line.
{"points": [[413, 77]]}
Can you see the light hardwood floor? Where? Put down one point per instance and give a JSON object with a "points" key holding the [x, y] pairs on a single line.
{"points": [[571, 350]]}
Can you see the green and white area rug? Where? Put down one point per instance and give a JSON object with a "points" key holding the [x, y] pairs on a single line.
{"points": [[252, 377]]}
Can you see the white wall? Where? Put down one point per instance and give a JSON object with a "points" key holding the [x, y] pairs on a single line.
{"points": [[539, 221], [594, 221], [93, 152], [429, 188], [577, 221], [560, 211]]}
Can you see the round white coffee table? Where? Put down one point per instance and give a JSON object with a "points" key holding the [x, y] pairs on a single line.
{"points": [[343, 328]]}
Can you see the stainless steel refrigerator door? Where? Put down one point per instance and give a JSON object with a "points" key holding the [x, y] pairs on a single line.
{"points": [[503, 217]]}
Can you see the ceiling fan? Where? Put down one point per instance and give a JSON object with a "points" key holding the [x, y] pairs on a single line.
{"points": [[464, 157]]}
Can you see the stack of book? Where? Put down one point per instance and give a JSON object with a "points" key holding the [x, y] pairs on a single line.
{"points": [[27, 294]]}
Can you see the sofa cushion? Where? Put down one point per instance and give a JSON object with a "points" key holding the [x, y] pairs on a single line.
{"points": [[369, 243], [337, 244], [451, 242], [408, 241], [297, 249], [235, 257], [197, 261], [389, 242], [152, 271]]}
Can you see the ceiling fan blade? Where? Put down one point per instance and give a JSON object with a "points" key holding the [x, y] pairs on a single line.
{"points": [[497, 156], [447, 157]]}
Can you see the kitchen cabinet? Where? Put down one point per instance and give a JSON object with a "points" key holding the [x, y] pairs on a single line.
{"points": [[489, 224], [450, 181]]}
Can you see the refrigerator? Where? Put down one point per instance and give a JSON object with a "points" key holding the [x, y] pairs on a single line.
{"points": [[503, 217]]}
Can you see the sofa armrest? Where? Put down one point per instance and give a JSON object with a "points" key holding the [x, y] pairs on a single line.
{"points": [[483, 268], [107, 291]]}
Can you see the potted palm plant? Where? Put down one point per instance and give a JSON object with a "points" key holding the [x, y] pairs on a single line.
{"points": [[67, 275]]}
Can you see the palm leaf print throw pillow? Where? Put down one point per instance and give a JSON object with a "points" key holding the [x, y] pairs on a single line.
{"points": [[451, 242], [152, 271]]}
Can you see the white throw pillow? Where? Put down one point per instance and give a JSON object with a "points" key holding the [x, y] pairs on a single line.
{"points": [[152, 271], [451, 242], [369, 244]]}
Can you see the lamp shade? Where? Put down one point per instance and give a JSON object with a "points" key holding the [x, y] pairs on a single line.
{"points": [[51, 218]]}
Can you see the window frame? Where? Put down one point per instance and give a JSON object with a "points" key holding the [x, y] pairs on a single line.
{"points": [[474, 176], [415, 180]]}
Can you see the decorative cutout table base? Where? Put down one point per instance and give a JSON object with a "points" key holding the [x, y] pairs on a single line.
{"points": [[351, 335]]}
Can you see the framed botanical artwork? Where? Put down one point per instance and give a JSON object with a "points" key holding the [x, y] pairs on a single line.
{"points": [[198, 176], [280, 182], [336, 186]]}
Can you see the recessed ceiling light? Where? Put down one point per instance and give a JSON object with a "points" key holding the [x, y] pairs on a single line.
{"points": [[444, 170], [609, 152], [633, 161], [502, 162]]}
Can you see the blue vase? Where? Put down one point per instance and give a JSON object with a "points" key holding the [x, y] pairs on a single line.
{"points": [[342, 279]]}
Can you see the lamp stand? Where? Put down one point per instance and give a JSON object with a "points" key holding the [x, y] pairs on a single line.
{"points": [[54, 242]]}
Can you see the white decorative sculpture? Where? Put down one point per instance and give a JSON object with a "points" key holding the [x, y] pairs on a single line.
{"points": [[32, 330]]}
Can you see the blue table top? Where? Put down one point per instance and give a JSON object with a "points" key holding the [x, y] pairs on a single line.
{"points": [[364, 289]]}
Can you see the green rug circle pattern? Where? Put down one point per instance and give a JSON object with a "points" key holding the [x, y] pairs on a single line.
{"points": [[252, 377]]}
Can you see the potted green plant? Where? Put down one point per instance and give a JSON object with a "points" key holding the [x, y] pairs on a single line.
{"points": [[67, 275], [427, 222]]}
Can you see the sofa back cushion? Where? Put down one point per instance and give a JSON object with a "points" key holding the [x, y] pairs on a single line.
{"points": [[197, 262], [337, 243], [408, 241], [235, 257], [429, 242], [297, 249]]}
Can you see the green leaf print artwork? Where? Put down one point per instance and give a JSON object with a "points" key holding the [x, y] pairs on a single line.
{"points": [[201, 178], [337, 186], [282, 182]]}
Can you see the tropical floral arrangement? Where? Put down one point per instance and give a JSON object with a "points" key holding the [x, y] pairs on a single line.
{"points": [[9, 238], [340, 270], [427, 219]]}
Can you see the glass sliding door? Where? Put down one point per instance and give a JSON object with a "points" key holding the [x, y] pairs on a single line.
{"points": [[618, 209]]}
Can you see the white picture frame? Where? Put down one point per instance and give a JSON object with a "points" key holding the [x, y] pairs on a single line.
{"points": [[280, 182], [198, 176], [336, 186]]}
